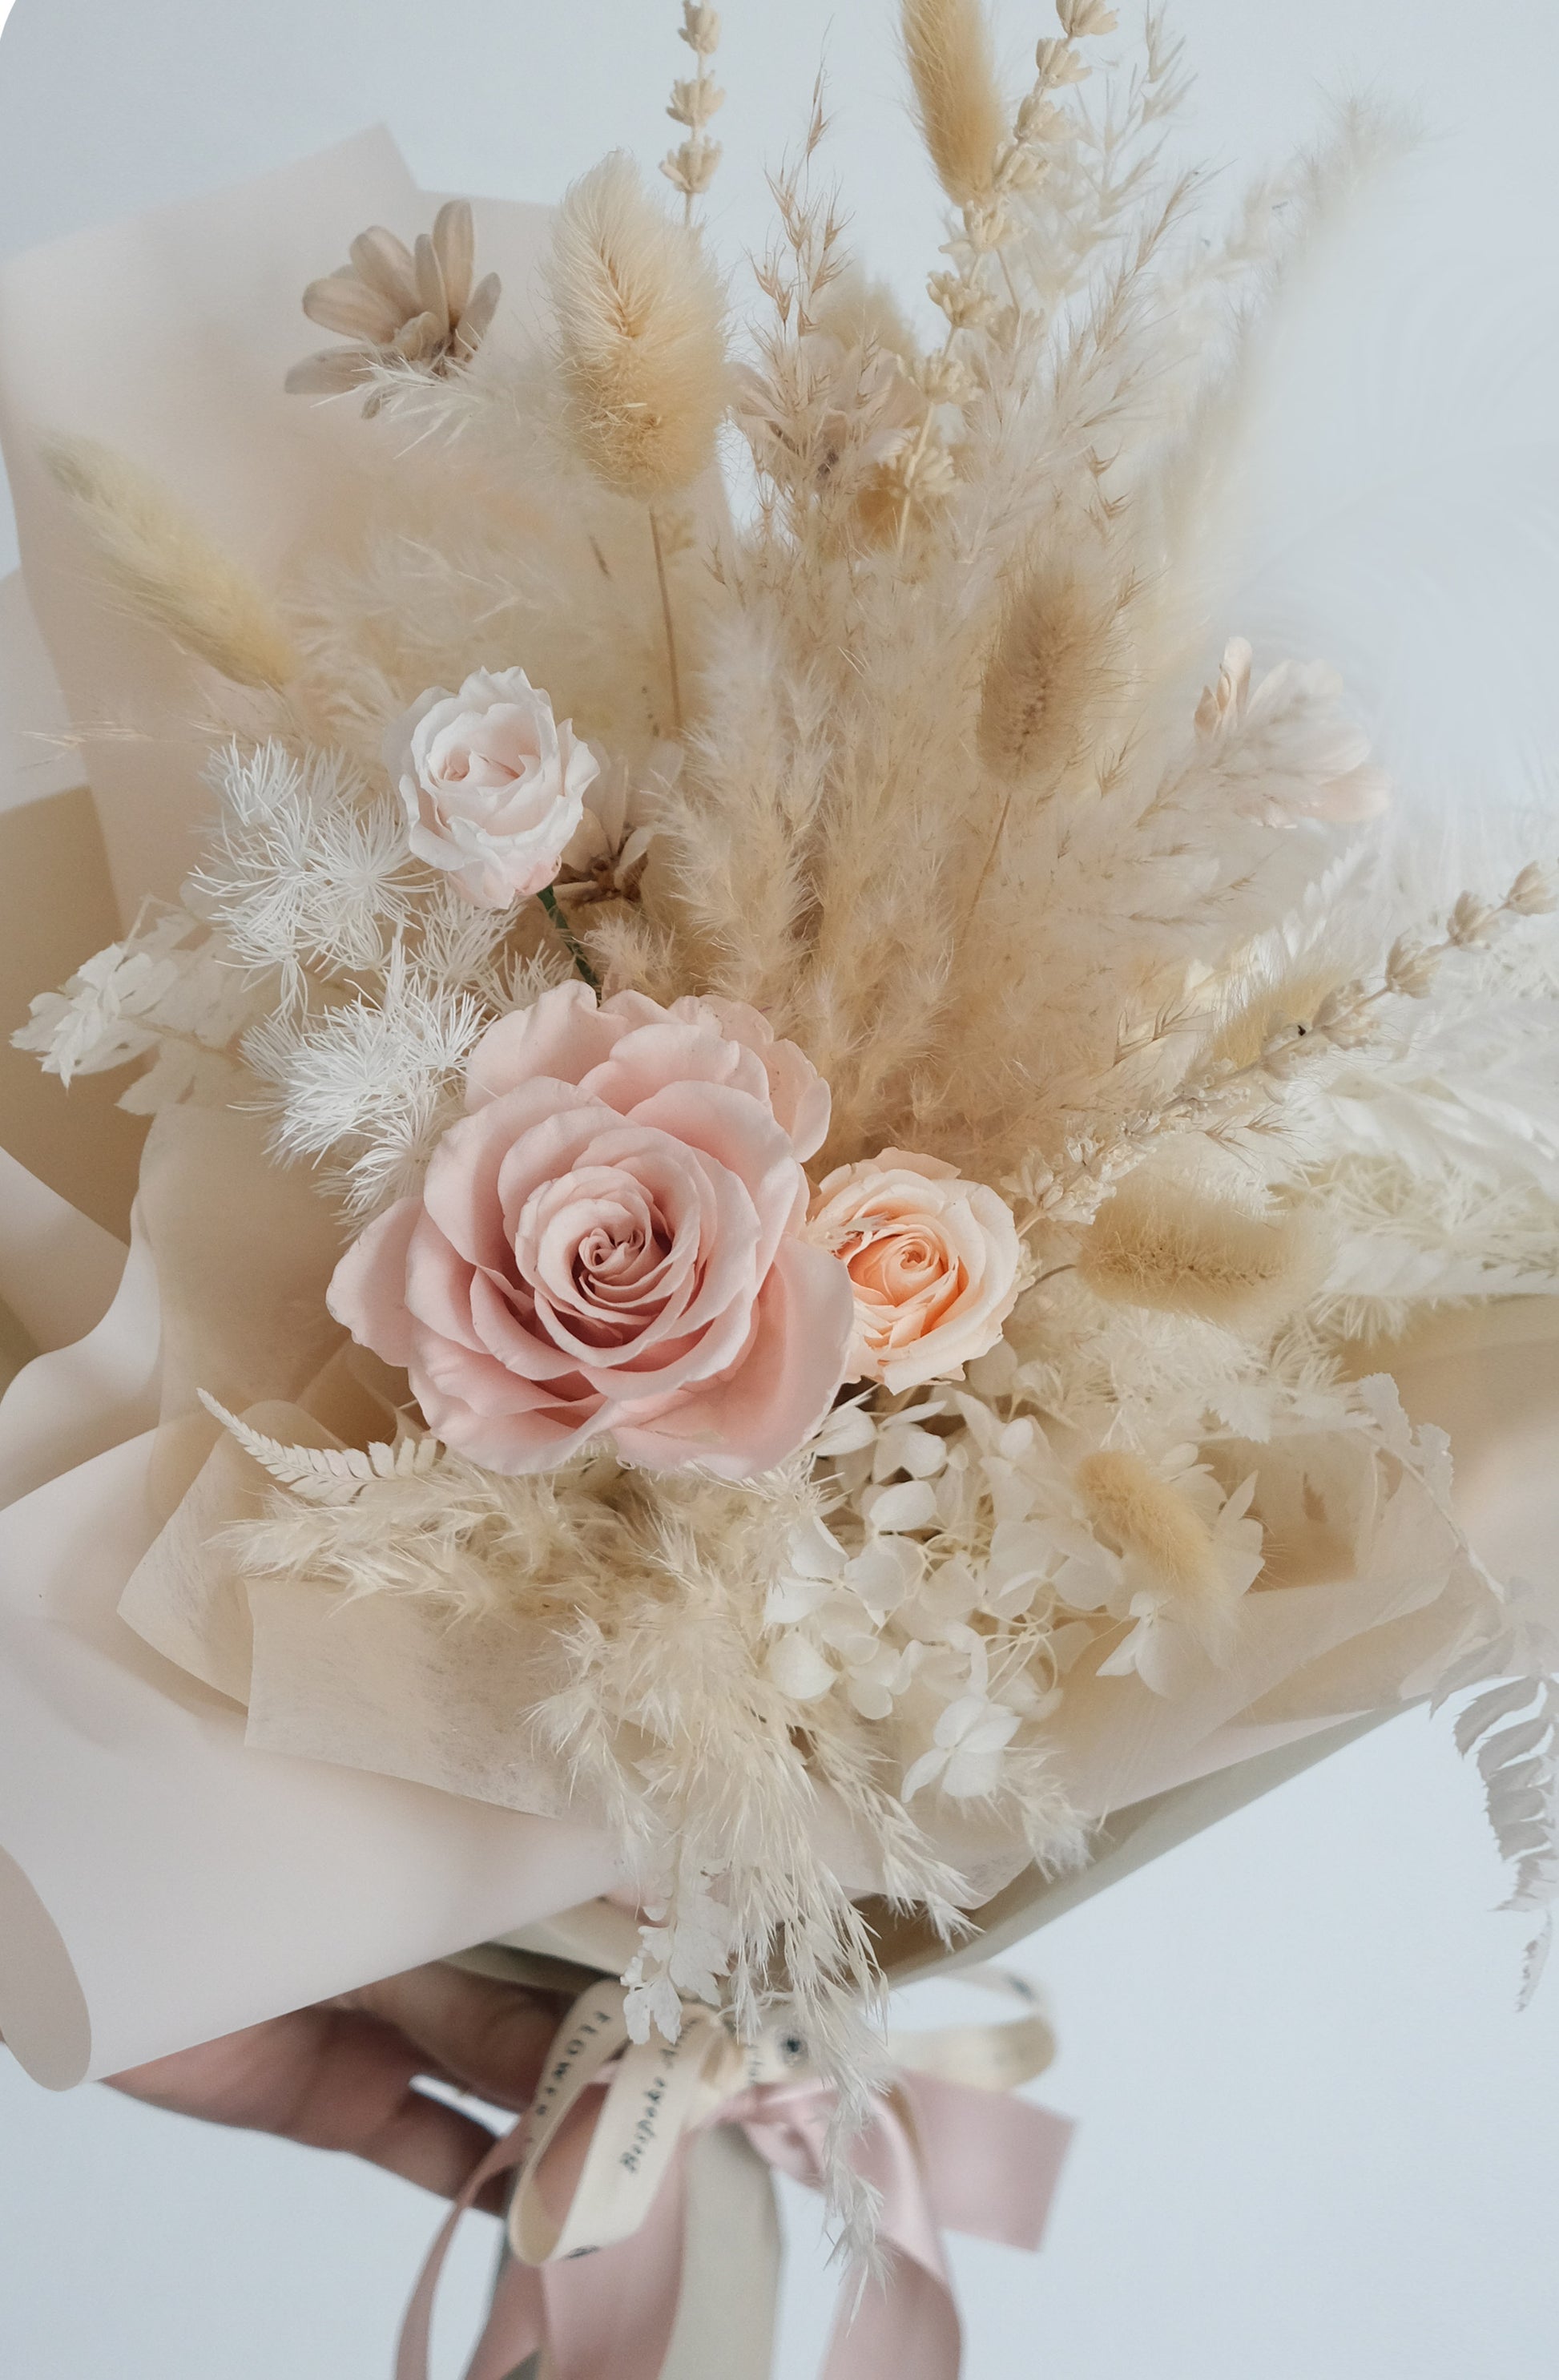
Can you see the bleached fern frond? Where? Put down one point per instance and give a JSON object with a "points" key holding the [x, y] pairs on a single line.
{"points": [[328, 1475], [1512, 1728]]}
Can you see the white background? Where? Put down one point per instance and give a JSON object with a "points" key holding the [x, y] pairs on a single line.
{"points": [[1316, 2142]]}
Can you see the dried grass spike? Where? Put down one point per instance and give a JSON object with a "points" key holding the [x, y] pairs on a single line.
{"points": [[168, 571], [1148, 1516], [959, 105], [1163, 1243], [640, 333], [1050, 664]]}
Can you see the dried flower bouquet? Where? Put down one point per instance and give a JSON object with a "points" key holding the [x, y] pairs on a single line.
{"points": [[880, 1080]]}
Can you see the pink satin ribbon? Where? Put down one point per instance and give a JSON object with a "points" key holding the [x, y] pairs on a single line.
{"points": [[942, 2155]]}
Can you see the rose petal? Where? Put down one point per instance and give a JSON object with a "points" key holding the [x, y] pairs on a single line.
{"points": [[740, 1135], [544, 1123], [563, 1036], [770, 1403], [368, 1288]]}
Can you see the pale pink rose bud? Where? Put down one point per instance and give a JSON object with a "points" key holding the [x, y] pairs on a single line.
{"points": [[493, 785], [609, 1245], [934, 1263]]}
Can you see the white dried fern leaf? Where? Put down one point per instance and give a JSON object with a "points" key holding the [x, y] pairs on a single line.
{"points": [[1518, 1751], [328, 1475]]}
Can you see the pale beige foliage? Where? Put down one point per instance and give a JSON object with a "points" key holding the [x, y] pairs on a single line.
{"points": [[167, 571], [640, 335]]}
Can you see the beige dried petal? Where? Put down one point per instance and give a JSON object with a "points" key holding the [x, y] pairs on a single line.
{"points": [[384, 262], [965, 305], [1037, 118], [454, 245], [1535, 892], [700, 29], [331, 373], [1410, 968], [431, 294], [693, 104], [476, 316], [1470, 922], [1059, 65], [343, 303], [1079, 18], [420, 338], [1019, 169]]}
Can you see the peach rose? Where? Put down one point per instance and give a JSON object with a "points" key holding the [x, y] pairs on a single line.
{"points": [[493, 787], [934, 1262], [609, 1244]]}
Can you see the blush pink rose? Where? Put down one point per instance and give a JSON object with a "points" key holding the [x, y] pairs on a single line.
{"points": [[609, 1245], [492, 784], [934, 1262]]}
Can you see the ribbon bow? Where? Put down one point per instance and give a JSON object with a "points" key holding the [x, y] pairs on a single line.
{"points": [[597, 2217]]}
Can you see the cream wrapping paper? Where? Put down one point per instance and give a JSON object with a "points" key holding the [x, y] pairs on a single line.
{"points": [[159, 1882]]}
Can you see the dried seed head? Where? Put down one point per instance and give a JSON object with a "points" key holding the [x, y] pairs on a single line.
{"points": [[1148, 1516], [966, 306], [700, 29], [167, 571], [1049, 665], [1411, 967], [1535, 892], [1161, 1242], [1079, 18], [958, 100], [640, 335], [1471, 922]]}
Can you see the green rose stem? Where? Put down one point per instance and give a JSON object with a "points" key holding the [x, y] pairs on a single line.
{"points": [[548, 901]]}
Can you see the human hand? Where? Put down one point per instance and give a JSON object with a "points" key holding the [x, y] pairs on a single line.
{"points": [[343, 2075]]}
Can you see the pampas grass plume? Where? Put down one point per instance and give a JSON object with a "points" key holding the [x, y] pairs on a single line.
{"points": [[1149, 1516], [168, 571], [640, 317], [1164, 1243], [958, 100]]}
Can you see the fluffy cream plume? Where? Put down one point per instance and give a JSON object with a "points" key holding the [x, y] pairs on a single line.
{"points": [[1050, 665], [640, 329], [1149, 1517], [1168, 1244], [959, 105], [168, 571]]}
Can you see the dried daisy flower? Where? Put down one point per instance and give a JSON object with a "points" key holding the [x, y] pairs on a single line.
{"points": [[399, 305], [606, 857]]}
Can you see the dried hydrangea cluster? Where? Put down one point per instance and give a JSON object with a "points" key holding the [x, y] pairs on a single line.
{"points": [[872, 1116]]}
